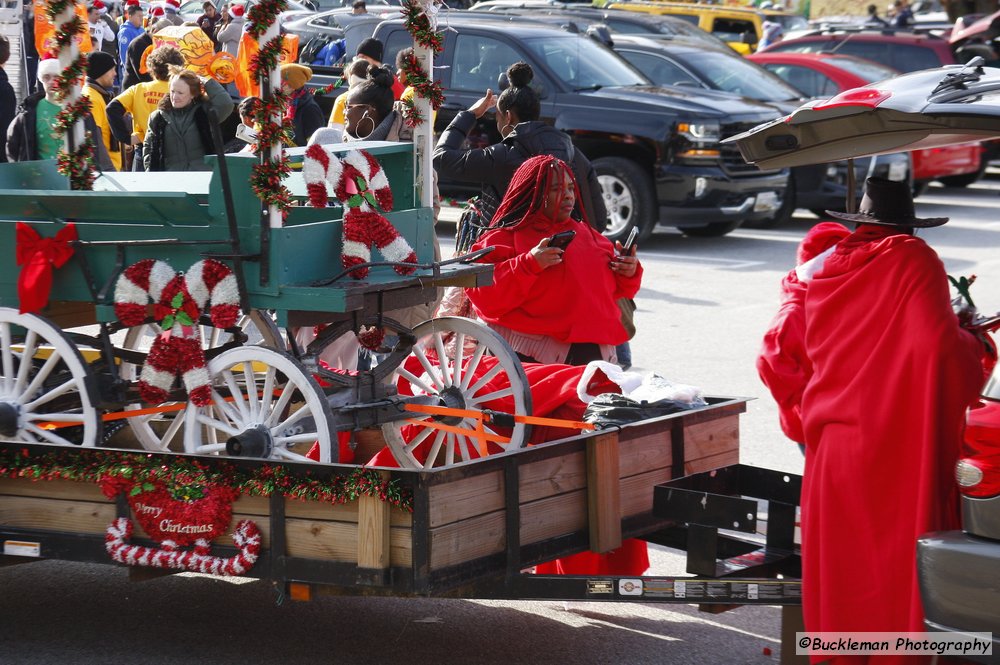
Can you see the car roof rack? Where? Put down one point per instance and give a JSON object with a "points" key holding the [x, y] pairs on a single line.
{"points": [[831, 28]]}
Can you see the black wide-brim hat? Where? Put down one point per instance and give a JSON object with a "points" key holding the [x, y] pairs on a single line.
{"points": [[889, 203]]}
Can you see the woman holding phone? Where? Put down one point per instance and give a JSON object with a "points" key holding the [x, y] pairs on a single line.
{"points": [[556, 280]]}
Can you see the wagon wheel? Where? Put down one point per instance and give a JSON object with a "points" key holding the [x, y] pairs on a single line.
{"points": [[265, 405], [462, 382], [44, 379], [157, 431]]}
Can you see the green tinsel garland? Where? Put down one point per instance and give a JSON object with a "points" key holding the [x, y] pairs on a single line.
{"points": [[68, 115], [262, 15], [78, 166], [175, 472], [419, 26]]}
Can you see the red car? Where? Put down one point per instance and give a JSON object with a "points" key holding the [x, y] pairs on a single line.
{"points": [[825, 75]]}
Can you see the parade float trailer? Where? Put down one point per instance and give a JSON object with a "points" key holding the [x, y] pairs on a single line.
{"points": [[223, 484]]}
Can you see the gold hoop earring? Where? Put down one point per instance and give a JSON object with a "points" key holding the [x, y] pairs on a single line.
{"points": [[372, 131]]}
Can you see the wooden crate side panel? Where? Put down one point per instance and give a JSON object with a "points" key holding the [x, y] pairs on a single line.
{"points": [[400, 546], [644, 452], [469, 539], [711, 438], [637, 491], [554, 516], [83, 517], [252, 505], [556, 475], [465, 498], [70, 490], [331, 541], [726, 458], [338, 512], [338, 541]]}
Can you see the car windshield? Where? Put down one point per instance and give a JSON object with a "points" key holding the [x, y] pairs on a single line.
{"points": [[866, 69], [734, 74], [582, 63]]}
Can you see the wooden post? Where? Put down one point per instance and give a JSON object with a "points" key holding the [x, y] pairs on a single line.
{"points": [[603, 493], [373, 530]]}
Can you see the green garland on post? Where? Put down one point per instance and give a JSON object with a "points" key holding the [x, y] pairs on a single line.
{"points": [[267, 178], [77, 164]]}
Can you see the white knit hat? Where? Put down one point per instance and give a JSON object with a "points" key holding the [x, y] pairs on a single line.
{"points": [[49, 66]]}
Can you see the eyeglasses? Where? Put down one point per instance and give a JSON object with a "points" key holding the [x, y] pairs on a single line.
{"points": [[348, 107]]}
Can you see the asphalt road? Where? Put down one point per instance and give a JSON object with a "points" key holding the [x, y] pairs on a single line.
{"points": [[702, 310]]}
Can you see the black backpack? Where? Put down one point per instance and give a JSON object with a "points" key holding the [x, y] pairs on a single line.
{"points": [[311, 49]]}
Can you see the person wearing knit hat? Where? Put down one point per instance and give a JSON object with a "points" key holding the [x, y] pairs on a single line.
{"points": [[101, 34], [295, 76], [171, 15], [371, 50], [100, 81], [232, 29], [303, 110], [30, 136]]}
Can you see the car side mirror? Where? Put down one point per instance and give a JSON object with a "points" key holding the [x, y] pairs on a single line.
{"points": [[600, 33]]}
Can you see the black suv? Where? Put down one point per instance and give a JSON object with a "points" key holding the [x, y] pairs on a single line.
{"points": [[656, 150]]}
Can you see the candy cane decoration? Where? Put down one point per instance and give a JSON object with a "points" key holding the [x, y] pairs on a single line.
{"points": [[246, 537], [360, 183], [178, 301]]}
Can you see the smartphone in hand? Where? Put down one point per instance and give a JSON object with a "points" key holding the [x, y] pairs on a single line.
{"points": [[627, 245], [562, 240]]}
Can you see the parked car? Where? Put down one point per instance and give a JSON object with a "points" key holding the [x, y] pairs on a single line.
{"points": [[825, 75], [340, 23], [740, 27], [960, 570], [656, 150], [617, 21], [816, 187], [901, 50]]}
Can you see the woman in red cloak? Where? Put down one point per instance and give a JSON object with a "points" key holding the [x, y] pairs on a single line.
{"points": [[555, 305], [883, 400]]}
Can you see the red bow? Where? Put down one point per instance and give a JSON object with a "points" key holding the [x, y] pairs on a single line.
{"points": [[38, 255]]}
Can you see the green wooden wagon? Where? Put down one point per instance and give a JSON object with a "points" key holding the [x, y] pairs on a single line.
{"points": [[61, 387]]}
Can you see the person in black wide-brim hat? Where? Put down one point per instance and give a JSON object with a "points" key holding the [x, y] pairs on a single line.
{"points": [[883, 374], [888, 203]]}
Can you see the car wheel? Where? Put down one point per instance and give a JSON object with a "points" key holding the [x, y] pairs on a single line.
{"points": [[713, 230], [783, 214], [965, 179], [628, 196]]}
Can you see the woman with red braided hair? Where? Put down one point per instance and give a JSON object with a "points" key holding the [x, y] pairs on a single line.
{"points": [[553, 304]]}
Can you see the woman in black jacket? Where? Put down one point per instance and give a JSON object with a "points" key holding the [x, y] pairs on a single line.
{"points": [[524, 136]]}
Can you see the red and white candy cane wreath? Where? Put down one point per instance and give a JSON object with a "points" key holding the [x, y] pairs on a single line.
{"points": [[360, 183], [246, 536]]}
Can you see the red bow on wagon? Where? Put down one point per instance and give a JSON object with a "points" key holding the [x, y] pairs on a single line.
{"points": [[38, 255]]}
